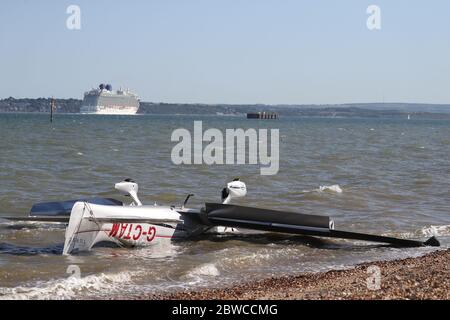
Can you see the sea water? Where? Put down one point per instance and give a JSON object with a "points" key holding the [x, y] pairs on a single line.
{"points": [[382, 176]]}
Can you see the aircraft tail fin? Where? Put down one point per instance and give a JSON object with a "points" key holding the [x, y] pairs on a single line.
{"points": [[81, 233]]}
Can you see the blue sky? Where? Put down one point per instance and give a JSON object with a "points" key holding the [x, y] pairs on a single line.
{"points": [[230, 51]]}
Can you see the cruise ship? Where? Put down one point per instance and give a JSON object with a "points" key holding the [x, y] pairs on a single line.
{"points": [[106, 101]]}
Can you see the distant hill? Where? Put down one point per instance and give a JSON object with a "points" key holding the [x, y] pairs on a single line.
{"points": [[405, 107], [39, 105], [371, 110]]}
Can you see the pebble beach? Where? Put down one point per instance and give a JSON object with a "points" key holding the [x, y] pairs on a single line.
{"points": [[425, 277]]}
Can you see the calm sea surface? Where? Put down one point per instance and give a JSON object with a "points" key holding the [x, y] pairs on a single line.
{"points": [[394, 176]]}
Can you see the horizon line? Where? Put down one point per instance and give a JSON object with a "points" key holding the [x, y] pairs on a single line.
{"points": [[253, 104]]}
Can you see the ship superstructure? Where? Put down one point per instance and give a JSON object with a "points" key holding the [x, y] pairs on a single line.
{"points": [[105, 100]]}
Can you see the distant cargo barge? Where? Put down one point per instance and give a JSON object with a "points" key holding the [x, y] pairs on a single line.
{"points": [[262, 115]]}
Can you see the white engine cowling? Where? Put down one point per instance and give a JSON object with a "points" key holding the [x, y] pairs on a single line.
{"points": [[129, 187], [234, 189]]}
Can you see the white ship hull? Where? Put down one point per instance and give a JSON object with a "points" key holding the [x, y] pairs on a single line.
{"points": [[104, 100], [116, 110]]}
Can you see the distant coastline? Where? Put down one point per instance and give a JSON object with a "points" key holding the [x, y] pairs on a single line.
{"points": [[366, 110]]}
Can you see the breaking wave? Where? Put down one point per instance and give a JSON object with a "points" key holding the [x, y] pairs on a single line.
{"points": [[443, 230], [332, 188], [208, 269], [201, 274], [425, 232], [428, 231], [68, 288]]}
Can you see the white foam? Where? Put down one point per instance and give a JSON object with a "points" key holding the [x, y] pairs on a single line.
{"points": [[201, 274], [334, 188], [435, 230], [208, 269], [257, 257], [67, 288]]}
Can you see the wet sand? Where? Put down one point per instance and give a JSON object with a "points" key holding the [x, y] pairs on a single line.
{"points": [[426, 277]]}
